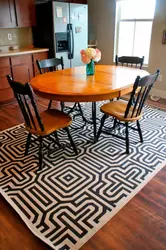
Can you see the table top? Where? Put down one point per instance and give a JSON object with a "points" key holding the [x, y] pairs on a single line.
{"points": [[72, 85]]}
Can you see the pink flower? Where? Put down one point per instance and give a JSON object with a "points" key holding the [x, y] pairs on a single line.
{"points": [[90, 54], [97, 58], [82, 51]]}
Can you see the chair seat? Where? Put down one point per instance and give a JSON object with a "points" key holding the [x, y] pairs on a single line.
{"points": [[52, 120], [117, 109]]}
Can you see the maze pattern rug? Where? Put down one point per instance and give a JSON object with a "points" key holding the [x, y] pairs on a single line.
{"points": [[74, 196]]}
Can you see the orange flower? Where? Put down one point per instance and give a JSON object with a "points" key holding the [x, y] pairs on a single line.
{"points": [[84, 58]]}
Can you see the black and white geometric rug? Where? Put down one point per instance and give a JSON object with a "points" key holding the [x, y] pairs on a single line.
{"points": [[67, 202]]}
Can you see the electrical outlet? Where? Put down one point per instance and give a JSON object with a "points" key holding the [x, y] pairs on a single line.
{"points": [[9, 37], [160, 77]]}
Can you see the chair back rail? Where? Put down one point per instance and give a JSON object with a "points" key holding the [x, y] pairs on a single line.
{"points": [[49, 65], [22, 92], [130, 61], [141, 90]]}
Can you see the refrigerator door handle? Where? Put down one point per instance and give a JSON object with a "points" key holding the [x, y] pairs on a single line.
{"points": [[72, 35], [69, 40]]}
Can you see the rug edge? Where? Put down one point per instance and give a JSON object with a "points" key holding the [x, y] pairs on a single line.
{"points": [[97, 228], [2, 131], [118, 208], [23, 218]]}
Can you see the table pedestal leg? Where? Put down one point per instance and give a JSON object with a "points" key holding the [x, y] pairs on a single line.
{"points": [[94, 120]]}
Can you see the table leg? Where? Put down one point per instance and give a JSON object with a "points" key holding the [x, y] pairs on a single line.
{"points": [[94, 120]]}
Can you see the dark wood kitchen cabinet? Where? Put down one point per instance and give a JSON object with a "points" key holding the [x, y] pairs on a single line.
{"points": [[17, 13], [6, 93], [22, 70], [25, 11], [7, 14]]}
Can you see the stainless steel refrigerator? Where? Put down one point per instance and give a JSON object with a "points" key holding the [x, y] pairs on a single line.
{"points": [[63, 28]]}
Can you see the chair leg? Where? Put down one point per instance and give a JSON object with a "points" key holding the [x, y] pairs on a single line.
{"points": [[139, 131], [94, 121], [127, 138], [72, 109], [28, 143], [49, 105], [40, 152], [81, 112], [57, 139], [115, 122], [62, 106], [101, 125], [71, 140]]}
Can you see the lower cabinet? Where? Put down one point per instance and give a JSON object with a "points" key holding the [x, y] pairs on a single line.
{"points": [[22, 68], [6, 93]]}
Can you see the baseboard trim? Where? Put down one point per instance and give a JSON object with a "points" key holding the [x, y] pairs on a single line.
{"points": [[159, 93]]}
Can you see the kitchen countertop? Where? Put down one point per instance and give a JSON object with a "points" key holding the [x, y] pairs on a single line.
{"points": [[17, 52]]}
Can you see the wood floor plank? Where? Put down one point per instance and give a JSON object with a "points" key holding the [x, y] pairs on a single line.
{"points": [[141, 224]]}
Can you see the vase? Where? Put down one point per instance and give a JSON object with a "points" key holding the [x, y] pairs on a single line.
{"points": [[90, 68]]}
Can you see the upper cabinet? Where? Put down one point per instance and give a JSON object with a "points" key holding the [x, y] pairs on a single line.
{"points": [[7, 14], [17, 13], [21, 13], [25, 11]]}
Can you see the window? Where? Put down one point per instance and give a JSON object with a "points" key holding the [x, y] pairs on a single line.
{"points": [[134, 19]]}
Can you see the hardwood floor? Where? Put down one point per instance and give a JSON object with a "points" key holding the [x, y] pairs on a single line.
{"points": [[141, 224]]}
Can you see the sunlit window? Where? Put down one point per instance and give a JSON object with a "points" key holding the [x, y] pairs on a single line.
{"points": [[134, 19]]}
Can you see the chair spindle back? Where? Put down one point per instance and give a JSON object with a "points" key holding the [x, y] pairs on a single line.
{"points": [[49, 65], [29, 112], [141, 89], [130, 61]]}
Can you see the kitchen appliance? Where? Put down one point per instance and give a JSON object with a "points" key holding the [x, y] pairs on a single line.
{"points": [[63, 28]]}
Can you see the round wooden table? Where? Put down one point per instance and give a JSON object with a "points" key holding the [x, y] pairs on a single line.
{"points": [[72, 85]]}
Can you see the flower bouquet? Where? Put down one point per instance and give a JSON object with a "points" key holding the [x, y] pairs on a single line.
{"points": [[88, 57]]}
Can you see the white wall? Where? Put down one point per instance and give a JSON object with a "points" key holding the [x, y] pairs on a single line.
{"points": [[102, 25], [157, 59]]}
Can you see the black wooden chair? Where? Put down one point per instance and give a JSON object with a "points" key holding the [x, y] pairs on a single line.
{"points": [[130, 61], [43, 124], [49, 65], [125, 112]]}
